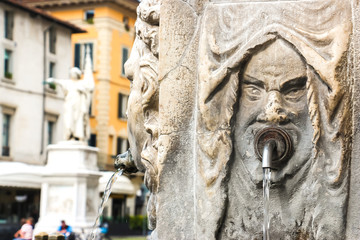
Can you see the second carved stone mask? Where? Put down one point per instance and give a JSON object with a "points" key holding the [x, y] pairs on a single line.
{"points": [[273, 94]]}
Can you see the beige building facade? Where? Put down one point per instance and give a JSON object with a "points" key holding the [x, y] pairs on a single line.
{"points": [[110, 27], [33, 47]]}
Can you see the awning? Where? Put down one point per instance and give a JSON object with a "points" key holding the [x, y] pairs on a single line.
{"points": [[22, 175], [123, 185], [15, 174]]}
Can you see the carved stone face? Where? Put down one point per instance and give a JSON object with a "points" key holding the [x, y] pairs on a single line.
{"points": [[136, 130], [273, 93]]}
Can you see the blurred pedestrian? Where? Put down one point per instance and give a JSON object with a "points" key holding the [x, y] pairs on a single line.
{"points": [[104, 230], [22, 222], [66, 230], [26, 230]]}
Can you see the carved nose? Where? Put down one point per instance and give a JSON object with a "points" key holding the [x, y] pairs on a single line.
{"points": [[274, 111]]}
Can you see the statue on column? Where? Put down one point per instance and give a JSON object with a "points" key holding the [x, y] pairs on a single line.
{"points": [[78, 94]]}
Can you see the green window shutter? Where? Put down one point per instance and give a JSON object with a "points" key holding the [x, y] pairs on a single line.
{"points": [[125, 55], [77, 55], [120, 98]]}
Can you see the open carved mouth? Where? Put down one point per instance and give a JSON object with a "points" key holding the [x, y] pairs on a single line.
{"points": [[148, 153], [283, 144], [148, 156]]}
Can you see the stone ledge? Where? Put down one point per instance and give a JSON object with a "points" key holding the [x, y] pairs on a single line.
{"points": [[5, 158], [8, 80]]}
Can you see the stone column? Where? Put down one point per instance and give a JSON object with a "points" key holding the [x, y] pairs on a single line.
{"points": [[353, 218], [179, 34]]}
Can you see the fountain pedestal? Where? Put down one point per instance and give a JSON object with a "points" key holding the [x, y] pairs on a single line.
{"points": [[70, 188]]}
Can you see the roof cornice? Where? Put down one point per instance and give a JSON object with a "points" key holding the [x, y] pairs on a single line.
{"points": [[43, 14], [128, 4]]}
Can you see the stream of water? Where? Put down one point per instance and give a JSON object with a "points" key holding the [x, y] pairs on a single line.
{"points": [[266, 194], [104, 199]]}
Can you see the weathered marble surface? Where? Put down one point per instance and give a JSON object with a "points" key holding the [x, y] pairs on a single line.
{"points": [[206, 76], [353, 213]]}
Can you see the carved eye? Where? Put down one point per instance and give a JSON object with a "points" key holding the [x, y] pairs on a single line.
{"points": [[295, 93], [252, 92], [294, 89]]}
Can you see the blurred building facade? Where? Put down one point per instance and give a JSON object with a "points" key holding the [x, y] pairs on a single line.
{"points": [[110, 36], [36, 45], [33, 46]]}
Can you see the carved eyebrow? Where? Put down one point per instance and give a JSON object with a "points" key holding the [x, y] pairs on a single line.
{"points": [[299, 82], [251, 80]]}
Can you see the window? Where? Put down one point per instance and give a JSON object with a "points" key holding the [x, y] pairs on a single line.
{"points": [[126, 23], [50, 126], [6, 135], [125, 55], [9, 24], [51, 70], [122, 105], [50, 132], [92, 140], [89, 16], [8, 64], [122, 145], [79, 54], [51, 75], [52, 40]]}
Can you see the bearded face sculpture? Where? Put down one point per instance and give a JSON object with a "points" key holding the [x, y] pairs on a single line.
{"points": [[273, 94], [282, 73]]}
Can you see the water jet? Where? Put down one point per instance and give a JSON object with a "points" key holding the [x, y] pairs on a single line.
{"points": [[277, 146]]}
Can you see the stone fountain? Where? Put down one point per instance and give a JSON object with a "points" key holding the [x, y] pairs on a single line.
{"points": [[207, 77]]}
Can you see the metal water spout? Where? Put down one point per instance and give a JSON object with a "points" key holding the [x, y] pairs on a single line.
{"points": [[273, 146], [269, 147], [125, 162]]}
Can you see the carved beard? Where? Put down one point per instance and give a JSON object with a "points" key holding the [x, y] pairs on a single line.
{"points": [[310, 212], [287, 206], [150, 106]]}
